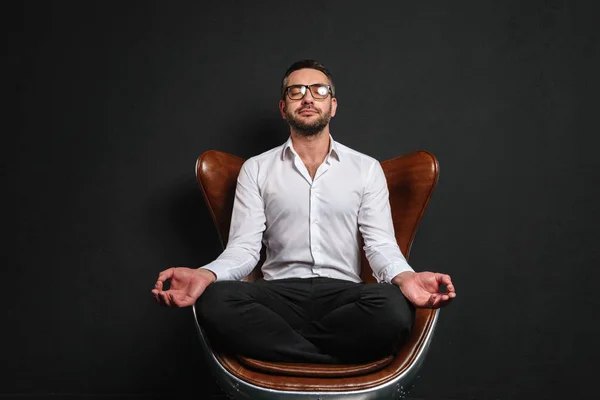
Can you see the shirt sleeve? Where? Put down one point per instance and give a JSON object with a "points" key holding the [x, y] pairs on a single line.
{"points": [[246, 230], [377, 228]]}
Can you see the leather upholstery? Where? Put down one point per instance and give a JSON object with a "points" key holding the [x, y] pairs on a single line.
{"points": [[324, 370], [411, 180]]}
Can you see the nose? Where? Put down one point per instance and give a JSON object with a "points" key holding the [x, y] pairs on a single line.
{"points": [[308, 97]]}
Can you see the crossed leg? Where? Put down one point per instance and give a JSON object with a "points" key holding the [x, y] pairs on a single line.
{"points": [[319, 320]]}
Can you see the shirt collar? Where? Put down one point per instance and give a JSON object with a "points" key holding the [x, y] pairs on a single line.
{"points": [[333, 148]]}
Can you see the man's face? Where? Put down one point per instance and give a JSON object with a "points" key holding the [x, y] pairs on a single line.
{"points": [[307, 116]]}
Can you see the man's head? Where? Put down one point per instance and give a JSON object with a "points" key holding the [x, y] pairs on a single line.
{"points": [[310, 64], [308, 97]]}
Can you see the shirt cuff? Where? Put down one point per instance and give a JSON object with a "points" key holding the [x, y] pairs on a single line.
{"points": [[392, 270], [222, 274]]}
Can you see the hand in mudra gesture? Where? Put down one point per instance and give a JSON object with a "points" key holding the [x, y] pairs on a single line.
{"points": [[186, 285], [424, 289]]}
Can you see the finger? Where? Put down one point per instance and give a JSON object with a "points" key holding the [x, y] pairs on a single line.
{"points": [[443, 278], [444, 303], [165, 298], [444, 300], [174, 300], [177, 301], [446, 281], [450, 288], [164, 275], [159, 299], [440, 299]]}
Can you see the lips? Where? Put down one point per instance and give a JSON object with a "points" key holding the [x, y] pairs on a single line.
{"points": [[307, 111]]}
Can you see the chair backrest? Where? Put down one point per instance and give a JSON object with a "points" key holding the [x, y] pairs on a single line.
{"points": [[411, 179]]}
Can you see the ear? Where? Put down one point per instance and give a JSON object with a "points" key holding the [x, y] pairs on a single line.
{"points": [[333, 107], [282, 108]]}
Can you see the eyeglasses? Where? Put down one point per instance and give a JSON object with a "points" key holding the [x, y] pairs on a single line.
{"points": [[318, 91]]}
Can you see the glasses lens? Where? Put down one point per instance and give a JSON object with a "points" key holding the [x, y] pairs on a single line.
{"points": [[296, 92], [319, 91]]}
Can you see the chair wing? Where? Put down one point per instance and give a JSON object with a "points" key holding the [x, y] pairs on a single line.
{"points": [[217, 174], [411, 180]]}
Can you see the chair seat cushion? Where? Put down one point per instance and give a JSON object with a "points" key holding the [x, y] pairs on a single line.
{"points": [[304, 381], [315, 370]]}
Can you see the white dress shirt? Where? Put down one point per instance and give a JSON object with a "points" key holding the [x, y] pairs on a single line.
{"points": [[311, 227]]}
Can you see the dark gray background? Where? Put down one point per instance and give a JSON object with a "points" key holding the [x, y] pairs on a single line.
{"points": [[114, 101]]}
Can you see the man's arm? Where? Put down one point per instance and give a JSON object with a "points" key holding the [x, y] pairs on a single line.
{"points": [[377, 228], [238, 259], [246, 230], [422, 289]]}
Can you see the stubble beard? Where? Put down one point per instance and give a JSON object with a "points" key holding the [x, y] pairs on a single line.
{"points": [[308, 129]]}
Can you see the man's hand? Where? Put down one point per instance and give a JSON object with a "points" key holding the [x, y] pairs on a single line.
{"points": [[187, 285], [422, 289]]}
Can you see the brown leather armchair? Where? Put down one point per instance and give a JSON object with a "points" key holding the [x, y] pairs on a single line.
{"points": [[411, 181]]}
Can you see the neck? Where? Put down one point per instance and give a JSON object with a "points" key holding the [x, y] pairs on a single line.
{"points": [[312, 149]]}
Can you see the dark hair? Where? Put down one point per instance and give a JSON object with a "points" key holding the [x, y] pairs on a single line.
{"points": [[312, 64]]}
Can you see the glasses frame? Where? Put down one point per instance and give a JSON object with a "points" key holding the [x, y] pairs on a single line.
{"points": [[308, 89]]}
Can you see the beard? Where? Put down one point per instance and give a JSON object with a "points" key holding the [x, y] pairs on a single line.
{"points": [[304, 128]]}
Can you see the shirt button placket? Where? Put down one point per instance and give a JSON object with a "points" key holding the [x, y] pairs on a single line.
{"points": [[314, 229]]}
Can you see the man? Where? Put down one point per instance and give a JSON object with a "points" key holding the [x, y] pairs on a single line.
{"points": [[309, 201]]}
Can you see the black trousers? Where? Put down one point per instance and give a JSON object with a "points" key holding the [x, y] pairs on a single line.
{"points": [[320, 320]]}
